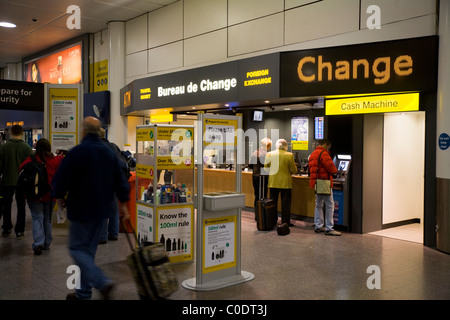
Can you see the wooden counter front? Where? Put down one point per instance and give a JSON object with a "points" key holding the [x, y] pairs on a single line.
{"points": [[303, 198]]}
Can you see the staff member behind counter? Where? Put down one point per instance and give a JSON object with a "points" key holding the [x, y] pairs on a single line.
{"points": [[281, 166]]}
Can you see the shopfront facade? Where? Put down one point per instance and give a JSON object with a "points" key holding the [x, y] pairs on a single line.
{"points": [[253, 41], [375, 74]]}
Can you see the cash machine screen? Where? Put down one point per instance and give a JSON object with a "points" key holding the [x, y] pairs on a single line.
{"points": [[342, 163]]}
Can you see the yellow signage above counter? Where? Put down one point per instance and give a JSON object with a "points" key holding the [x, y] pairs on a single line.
{"points": [[373, 104]]}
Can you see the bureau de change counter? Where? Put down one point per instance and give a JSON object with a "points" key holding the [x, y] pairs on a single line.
{"points": [[303, 198]]}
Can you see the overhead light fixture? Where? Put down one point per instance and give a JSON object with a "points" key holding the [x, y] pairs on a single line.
{"points": [[7, 24]]}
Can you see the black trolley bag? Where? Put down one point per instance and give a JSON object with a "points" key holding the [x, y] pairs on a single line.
{"points": [[266, 210], [151, 269]]}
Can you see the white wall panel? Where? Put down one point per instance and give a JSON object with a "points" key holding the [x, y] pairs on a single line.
{"points": [[403, 166], [208, 47], [289, 4], [136, 34], [321, 19], [260, 34], [101, 45], [165, 25], [136, 64], [391, 11], [201, 16], [165, 57], [241, 11]]}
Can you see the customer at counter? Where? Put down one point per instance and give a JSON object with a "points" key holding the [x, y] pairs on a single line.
{"points": [[257, 160], [281, 166], [323, 170]]}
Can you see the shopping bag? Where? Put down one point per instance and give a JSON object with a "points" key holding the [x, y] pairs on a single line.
{"points": [[323, 186], [60, 212]]}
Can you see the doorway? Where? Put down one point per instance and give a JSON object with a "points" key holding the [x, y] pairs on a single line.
{"points": [[403, 176]]}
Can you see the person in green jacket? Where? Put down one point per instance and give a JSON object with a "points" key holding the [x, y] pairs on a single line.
{"points": [[12, 154], [281, 166]]}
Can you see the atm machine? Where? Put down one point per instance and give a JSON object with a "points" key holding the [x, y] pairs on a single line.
{"points": [[341, 190]]}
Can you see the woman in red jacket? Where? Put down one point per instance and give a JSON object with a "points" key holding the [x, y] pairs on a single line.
{"points": [[323, 170], [41, 209]]}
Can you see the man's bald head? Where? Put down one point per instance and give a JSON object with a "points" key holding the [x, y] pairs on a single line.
{"points": [[91, 125]]}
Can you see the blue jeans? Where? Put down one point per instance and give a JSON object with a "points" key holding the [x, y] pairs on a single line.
{"points": [[328, 201], [41, 217], [111, 225], [83, 243]]}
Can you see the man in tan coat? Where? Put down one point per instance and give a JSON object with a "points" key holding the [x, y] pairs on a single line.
{"points": [[281, 166]]}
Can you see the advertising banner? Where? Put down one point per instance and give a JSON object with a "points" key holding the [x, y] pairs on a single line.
{"points": [[175, 229], [62, 67], [300, 133]]}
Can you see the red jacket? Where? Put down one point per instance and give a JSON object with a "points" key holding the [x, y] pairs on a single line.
{"points": [[52, 164], [326, 169]]}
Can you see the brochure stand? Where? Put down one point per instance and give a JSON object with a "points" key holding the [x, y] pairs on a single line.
{"points": [[164, 188], [218, 238]]}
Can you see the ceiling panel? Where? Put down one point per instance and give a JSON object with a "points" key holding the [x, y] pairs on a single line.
{"points": [[42, 23]]}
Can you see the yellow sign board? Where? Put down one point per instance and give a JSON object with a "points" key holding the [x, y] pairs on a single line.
{"points": [[220, 132], [144, 171], [100, 75], [373, 104], [219, 243], [145, 134]]}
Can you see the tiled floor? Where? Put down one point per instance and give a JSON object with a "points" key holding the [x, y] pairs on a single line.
{"points": [[410, 232], [301, 266]]}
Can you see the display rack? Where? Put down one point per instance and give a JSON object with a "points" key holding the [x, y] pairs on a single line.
{"points": [[165, 188], [218, 237]]}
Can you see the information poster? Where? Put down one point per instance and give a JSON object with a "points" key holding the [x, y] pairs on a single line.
{"points": [[220, 131], [219, 243], [175, 148], [63, 118], [175, 229], [299, 129], [144, 223]]}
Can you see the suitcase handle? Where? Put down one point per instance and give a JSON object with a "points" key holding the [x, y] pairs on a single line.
{"points": [[128, 236]]}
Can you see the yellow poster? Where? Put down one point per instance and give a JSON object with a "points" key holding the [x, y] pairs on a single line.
{"points": [[63, 118], [175, 229], [101, 76], [145, 134], [220, 132], [219, 243], [144, 171]]}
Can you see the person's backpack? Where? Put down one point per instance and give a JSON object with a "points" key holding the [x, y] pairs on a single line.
{"points": [[33, 179]]}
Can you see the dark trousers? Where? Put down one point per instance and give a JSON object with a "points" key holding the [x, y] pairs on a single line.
{"points": [[8, 193], [285, 202]]}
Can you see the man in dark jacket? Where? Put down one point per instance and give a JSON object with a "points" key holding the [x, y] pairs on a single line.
{"points": [[85, 182], [323, 170], [12, 154]]}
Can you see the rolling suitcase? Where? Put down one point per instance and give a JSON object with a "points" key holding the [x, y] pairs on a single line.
{"points": [[151, 269], [266, 210]]}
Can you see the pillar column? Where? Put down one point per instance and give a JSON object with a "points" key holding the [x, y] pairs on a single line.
{"points": [[443, 132], [10, 71], [116, 79]]}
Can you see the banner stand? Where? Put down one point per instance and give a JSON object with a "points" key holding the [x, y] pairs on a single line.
{"points": [[218, 238]]}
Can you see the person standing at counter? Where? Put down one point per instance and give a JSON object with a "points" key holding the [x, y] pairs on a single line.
{"points": [[323, 170], [259, 176], [281, 166]]}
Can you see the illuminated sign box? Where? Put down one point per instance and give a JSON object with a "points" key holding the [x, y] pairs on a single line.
{"points": [[373, 104]]}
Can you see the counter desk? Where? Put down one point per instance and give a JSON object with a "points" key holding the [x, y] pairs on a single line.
{"points": [[303, 198]]}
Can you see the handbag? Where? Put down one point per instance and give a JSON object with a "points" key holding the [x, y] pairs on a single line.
{"points": [[322, 186]]}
